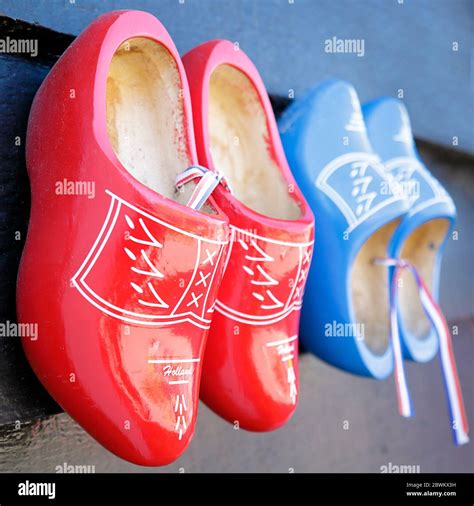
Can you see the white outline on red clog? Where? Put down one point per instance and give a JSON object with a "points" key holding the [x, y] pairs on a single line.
{"points": [[173, 316]]}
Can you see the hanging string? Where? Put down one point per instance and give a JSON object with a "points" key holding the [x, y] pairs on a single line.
{"points": [[457, 410], [208, 181]]}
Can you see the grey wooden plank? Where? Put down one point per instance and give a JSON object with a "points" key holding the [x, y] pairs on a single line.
{"points": [[408, 45]]}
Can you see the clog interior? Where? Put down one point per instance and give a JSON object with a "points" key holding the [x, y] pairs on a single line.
{"points": [[369, 289], [420, 248], [240, 145], [369, 282], [145, 119]]}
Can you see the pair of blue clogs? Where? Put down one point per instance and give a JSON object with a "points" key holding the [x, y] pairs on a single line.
{"points": [[373, 197]]}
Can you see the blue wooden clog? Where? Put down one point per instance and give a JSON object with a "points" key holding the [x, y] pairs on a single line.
{"points": [[422, 234], [345, 318]]}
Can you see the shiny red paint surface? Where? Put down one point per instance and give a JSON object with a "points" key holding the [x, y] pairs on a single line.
{"points": [[250, 371], [121, 285]]}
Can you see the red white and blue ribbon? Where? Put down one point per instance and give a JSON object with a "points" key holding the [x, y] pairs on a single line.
{"points": [[457, 411], [208, 182]]}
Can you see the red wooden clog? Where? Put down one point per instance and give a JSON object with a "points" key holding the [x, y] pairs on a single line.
{"points": [[119, 275], [250, 371]]}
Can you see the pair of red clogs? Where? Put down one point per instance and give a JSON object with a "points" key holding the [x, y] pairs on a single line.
{"points": [[131, 264]]}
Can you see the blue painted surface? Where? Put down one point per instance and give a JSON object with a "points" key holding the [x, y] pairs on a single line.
{"points": [[389, 130], [408, 44], [329, 152]]}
